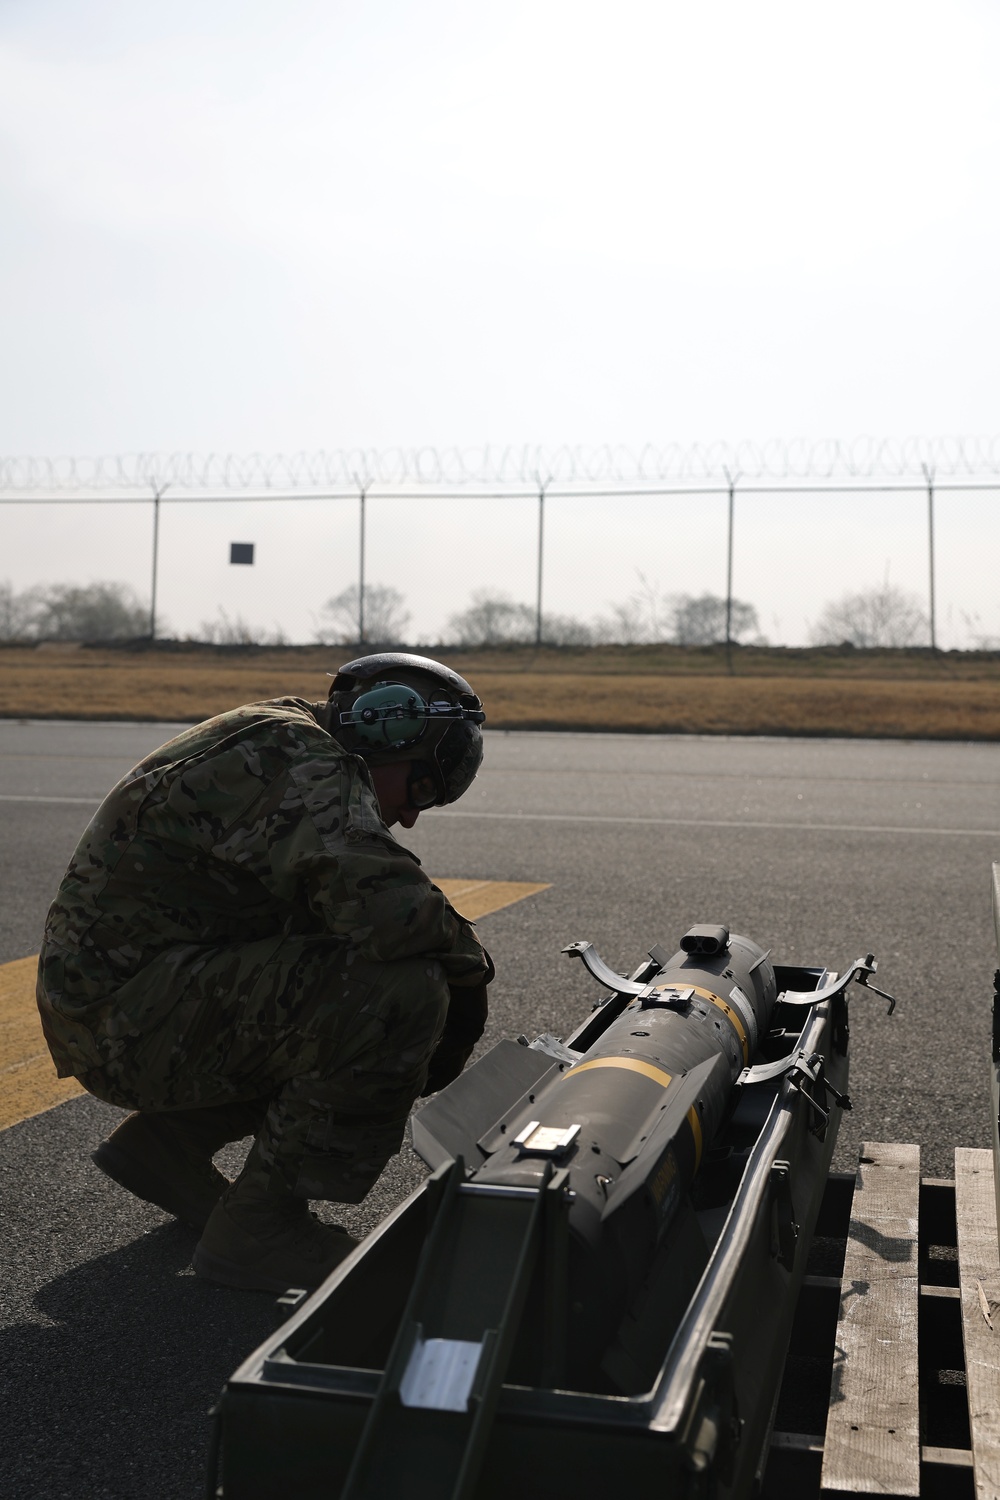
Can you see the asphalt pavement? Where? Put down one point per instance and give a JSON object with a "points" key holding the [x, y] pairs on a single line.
{"points": [[111, 1351]]}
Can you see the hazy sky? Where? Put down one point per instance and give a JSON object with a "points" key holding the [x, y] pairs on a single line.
{"points": [[246, 227]]}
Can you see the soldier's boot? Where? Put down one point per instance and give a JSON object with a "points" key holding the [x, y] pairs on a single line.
{"points": [[262, 1238], [166, 1158]]}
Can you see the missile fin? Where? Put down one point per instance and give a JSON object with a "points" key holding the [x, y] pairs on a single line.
{"points": [[451, 1123]]}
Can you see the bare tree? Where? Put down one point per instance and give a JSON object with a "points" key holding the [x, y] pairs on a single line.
{"points": [[386, 619], [495, 619], [643, 618], [84, 612], [627, 624], [883, 616], [701, 621], [658, 607], [566, 630], [233, 630], [981, 639], [492, 619], [15, 614]]}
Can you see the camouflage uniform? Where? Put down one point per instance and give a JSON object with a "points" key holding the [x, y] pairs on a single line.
{"points": [[238, 923]]}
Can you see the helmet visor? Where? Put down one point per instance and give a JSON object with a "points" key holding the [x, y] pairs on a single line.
{"points": [[457, 757]]}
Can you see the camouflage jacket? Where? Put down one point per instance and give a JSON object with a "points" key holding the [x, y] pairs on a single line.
{"points": [[252, 825]]}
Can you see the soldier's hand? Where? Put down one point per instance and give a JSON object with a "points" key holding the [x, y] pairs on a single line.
{"points": [[468, 1009]]}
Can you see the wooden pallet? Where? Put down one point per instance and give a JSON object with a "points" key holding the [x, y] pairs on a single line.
{"points": [[892, 1384]]}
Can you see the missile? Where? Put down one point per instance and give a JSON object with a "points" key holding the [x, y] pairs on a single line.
{"points": [[632, 1119], [627, 1115]]}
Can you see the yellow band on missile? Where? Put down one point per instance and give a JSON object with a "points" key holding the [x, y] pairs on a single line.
{"points": [[695, 1124], [658, 1075], [727, 1010], [631, 1064]]}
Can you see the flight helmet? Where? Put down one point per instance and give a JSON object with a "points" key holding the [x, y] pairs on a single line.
{"points": [[394, 706]]}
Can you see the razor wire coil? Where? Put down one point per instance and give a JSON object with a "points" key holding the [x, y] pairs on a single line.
{"points": [[526, 466]]}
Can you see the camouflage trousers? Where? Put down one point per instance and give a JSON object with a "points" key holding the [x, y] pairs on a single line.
{"points": [[337, 1045]]}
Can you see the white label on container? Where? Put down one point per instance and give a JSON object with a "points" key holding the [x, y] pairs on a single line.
{"points": [[440, 1374]]}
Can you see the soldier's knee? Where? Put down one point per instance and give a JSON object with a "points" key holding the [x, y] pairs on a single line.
{"points": [[413, 998], [331, 1152], [352, 1160]]}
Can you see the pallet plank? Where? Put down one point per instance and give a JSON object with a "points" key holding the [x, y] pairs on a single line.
{"points": [[947, 1458], [872, 1444], [979, 1278]]}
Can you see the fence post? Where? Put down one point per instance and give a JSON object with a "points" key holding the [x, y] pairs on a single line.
{"points": [[362, 494], [157, 493], [729, 574], [929, 476], [541, 544]]}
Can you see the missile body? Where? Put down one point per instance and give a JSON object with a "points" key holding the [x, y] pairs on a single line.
{"points": [[632, 1119]]}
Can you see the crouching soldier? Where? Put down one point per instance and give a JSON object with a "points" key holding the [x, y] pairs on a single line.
{"points": [[240, 946]]}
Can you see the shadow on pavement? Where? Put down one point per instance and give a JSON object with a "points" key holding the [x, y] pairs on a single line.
{"points": [[109, 1399]]}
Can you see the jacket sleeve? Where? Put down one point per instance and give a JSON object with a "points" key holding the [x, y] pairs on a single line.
{"points": [[318, 837]]}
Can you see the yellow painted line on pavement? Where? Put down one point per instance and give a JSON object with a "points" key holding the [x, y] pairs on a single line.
{"points": [[28, 1082], [477, 898]]}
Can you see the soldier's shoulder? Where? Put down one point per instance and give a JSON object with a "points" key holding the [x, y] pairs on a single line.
{"points": [[275, 720], [273, 714], [278, 729], [290, 723]]}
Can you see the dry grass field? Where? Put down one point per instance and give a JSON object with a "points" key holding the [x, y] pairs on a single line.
{"points": [[656, 689]]}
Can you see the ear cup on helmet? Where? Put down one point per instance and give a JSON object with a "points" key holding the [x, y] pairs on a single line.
{"points": [[389, 714]]}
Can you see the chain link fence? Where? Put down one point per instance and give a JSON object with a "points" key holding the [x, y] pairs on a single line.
{"points": [[579, 543]]}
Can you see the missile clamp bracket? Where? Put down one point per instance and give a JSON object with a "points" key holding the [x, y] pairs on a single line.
{"points": [[714, 1429], [784, 1224]]}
